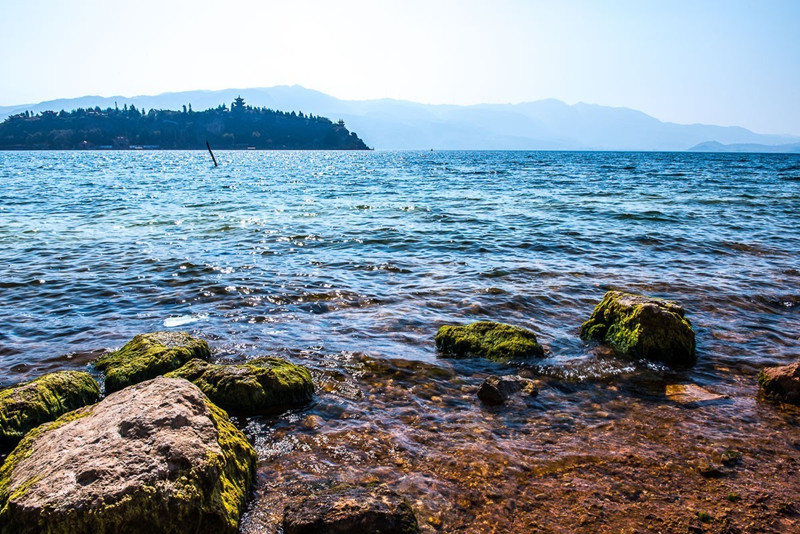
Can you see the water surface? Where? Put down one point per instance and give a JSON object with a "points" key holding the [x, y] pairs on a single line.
{"points": [[342, 261]]}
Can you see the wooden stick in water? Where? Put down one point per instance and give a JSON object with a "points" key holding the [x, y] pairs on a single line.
{"points": [[212, 154]]}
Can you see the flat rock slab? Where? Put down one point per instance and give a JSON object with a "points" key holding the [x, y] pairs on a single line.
{"points": [[349, 511], [487, 339], [27, 405], [692, 395], [147, 356], [259, 385], [156, 457], [636, 326]]}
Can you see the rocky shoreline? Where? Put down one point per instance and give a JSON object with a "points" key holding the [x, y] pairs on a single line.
{"points": [[159, 452]]}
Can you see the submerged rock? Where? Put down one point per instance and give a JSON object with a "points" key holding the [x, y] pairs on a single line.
{"points": [[781, 383], [28, 405], [691, 395], [254, 387], [498, 389], [349, 510], [147, 356], [157, 457], [707, 469], [496, 341], [642, 327]]}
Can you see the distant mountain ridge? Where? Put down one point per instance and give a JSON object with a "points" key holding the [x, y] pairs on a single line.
{"points": [[398, 124], [713, 146]]}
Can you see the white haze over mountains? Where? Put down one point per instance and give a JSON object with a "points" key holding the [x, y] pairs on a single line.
{"points": [[396, 124]]}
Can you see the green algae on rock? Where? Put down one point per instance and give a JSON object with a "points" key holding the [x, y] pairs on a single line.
{"points": [[496, 341], [781, 383], [27, 405], [642, 327], [157, 457], [149, 355], [257, 386]]}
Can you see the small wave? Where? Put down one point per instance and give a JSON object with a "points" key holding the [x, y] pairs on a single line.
{"points": [[322, 302], [388, 267], [592, 370], [778, 301], [750, 248], [495, 273], [652, 215]]}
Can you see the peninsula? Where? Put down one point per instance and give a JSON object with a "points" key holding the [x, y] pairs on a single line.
{"points": [[239, 126]]}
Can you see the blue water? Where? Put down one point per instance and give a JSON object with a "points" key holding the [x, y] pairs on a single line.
{"points": [[322, 253]]}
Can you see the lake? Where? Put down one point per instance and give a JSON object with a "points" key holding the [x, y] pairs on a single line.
{"points": [[350, 262]]}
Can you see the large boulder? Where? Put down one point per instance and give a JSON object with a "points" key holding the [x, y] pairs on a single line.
{"points": [[496, 341], [781, 383], [147, 356], [27, 405], [348, 510], [257, 386], [642, 327], [157, 457], [498, 389]]}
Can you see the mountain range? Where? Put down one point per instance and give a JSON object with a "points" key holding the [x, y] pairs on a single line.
{"points": [[397, 124]]}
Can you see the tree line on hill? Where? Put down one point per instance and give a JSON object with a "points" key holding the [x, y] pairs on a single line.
{"points": [[239, 127]]}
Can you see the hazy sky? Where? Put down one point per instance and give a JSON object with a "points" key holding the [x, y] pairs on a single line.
{"points": [[720, 62]]}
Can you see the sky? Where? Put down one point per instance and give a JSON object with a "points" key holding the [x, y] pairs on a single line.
{"points": [[729, 62]]}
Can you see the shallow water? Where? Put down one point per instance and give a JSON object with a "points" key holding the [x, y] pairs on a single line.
{"points": [[345, 260]]}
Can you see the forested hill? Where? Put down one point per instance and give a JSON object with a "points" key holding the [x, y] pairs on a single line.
{"points": [[240, 127]]}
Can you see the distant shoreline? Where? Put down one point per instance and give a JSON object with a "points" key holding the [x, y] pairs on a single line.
{"points": [[239, 126], [370, 149], [228, 149]]}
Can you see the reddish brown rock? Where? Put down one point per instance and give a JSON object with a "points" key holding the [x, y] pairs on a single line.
{"points": [[156, 457], [498, 389], [781, 383], [349, 510]]}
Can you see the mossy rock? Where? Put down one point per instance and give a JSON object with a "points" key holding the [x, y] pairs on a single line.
{"points": [[258, 386], [157, 457], [496, 341], [147, 356], [28, 405], [636, 326]]}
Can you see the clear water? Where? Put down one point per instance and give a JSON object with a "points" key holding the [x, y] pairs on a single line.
{"points": [[371, 252]]}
